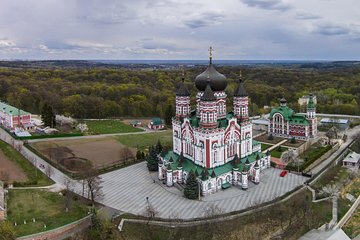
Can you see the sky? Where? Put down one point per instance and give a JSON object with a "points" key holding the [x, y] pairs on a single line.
{"points": [[180, 29]]}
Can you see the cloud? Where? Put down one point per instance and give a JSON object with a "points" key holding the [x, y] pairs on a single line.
{"points": [[307, 16], [268, 4], [108, 12], [204, 20], [7, 43], [328, 29]]}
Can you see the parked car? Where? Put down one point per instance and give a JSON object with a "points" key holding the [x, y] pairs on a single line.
{"points": [[283, 173]]}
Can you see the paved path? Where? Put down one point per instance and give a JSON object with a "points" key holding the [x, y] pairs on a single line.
{"points": [[92, 136], [127, 189], [274, 146]]}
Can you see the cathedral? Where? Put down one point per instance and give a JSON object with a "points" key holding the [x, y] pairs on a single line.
{"points": [[284, 122], [215, 145]]}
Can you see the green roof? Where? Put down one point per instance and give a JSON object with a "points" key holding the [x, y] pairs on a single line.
{"points": [[156, 121], [12, 110], [299, 119], [311, 103], [285, 111], [290, 115], [254, 142], [189, 165]]}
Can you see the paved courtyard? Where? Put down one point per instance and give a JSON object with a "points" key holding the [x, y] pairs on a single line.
{"points": [[127, 189]]}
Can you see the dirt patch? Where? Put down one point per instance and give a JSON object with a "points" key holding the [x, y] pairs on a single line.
{"points": [[10, 171], [82, 154]]}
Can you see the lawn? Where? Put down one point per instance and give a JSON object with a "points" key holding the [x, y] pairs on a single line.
{"points": [[143, 141], [46, 207], [356, 146], [109, 126], [314, 152], [35, 177], [278, 151], [265, 146]]}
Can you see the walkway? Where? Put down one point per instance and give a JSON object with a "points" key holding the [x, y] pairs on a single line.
{"points": [[127, 189], [91, 136]]}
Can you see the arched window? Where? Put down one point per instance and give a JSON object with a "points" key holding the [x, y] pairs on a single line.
{"points": [[228, 178], [209, 186], [220, 182]]}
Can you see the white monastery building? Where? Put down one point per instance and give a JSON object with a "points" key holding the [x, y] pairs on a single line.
{"points": [[11, 117], [284, 122], [217, 146]]}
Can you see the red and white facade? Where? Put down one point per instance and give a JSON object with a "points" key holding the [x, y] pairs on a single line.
{"points": [[11, 117], [213, 140]]}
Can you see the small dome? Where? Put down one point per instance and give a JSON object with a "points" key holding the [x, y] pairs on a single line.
{"points": [[217, 80]]}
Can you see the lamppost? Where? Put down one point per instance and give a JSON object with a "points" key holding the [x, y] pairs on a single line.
{"points": [[199, 189]]}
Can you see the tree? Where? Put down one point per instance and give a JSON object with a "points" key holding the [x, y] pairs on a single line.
{"points": [[159, 147], [93, 183], [293, 140], [139, 155], [69, 184], [168, 115], [290, 156], [47, 116], [191, 190], [82, 127], [126, 154], [7, 232], [332, 133], [152, 160], [270, 137]]}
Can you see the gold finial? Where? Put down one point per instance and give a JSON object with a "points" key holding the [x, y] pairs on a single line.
{"points": [[210, 53]]}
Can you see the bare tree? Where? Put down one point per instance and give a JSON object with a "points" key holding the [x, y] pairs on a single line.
{"points": [[291, 156], [332, 133], [4, 176], [93, 183], [126, 154], [69, 184], [49, 171], [333, 192]]}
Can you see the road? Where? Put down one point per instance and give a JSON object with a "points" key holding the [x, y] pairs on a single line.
{"points": [[92, 136]]}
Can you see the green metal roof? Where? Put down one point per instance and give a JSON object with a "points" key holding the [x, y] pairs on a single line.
{"points": [[311, 103], [285, 111], [156, 121], [254, 142], [12, 110], [299, 119], [290, 115], [189, 165]]}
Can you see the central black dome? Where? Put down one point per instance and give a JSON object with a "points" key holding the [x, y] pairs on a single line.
{"points": [[217, 80]]}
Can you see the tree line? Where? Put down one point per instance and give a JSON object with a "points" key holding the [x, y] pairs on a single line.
{"points": [[115, 92]]}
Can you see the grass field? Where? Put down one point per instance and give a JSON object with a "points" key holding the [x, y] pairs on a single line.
{"points": [[143, 141], [265, 146], [109, 126], [314, 152], [278, 151], [46, 207], [35, 177]]}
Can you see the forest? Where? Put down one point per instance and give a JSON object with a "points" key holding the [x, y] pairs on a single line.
{"points": [[97, 91]]}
